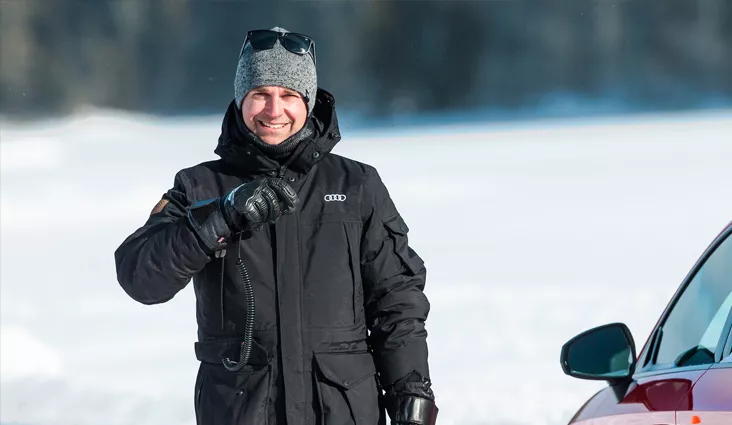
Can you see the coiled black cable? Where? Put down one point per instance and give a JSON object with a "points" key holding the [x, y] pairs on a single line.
{"points": [[245, 349]]}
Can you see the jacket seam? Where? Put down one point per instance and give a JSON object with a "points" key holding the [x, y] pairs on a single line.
{"points": [[187, 186]]}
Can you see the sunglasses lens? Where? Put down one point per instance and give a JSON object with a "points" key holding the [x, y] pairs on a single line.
{"points": [[296, 43], [262, 39]]}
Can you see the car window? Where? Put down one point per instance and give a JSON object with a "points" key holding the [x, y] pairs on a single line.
{"points": [[716, 327], [694, 326]]}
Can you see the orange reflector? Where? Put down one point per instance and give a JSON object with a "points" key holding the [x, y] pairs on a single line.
{"points": [[695, 420]]}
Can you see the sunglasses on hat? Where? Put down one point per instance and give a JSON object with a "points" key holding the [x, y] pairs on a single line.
{"points": [[299, 44]]}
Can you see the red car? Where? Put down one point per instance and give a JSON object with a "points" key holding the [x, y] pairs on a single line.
{"points": [[683, 374]]}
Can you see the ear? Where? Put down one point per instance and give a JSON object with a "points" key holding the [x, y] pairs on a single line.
{"points": [[306, 99]]}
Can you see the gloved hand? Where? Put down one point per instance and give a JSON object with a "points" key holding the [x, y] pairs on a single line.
{"points": [[410, 401], [258, 202], [249, 206]]}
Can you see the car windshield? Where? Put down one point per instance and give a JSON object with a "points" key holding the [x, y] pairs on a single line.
{"points": [[694, 327]]}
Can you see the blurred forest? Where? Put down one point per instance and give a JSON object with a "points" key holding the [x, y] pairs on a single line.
{"points": [[379, 58]]}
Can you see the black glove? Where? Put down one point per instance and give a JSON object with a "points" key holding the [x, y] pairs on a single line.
{"points": [[250, 205], [410, 401]]}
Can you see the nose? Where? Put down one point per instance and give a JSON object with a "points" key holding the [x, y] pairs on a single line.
{"points": [[274, 106]]}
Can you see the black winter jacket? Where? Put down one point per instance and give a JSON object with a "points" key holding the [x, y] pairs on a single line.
{"points": [[340, 310]]}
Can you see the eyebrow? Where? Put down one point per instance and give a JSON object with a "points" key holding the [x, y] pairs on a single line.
{"points": [[287, 91]]}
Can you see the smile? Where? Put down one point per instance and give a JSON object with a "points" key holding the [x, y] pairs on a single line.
{"points": [[273, 126]]}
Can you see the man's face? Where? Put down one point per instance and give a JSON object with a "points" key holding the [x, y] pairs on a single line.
{"points": [[274, 113]]}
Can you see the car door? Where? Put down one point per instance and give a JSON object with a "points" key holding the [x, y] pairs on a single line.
{"points": [[687, 345], [710, 400]]}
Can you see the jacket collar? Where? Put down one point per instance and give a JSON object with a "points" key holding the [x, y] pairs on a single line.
{"points": [[237, 149]]}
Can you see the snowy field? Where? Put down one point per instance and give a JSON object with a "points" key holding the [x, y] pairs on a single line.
{"points": [[567, 225]]}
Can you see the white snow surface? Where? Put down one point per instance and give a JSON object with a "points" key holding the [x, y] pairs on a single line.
{"points": [[562, 225]]}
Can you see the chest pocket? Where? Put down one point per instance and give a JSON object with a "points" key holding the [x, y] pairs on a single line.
{"points": [[332, 289]]}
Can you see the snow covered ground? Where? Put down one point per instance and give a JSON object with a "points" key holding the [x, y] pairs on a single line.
{"points": [[567, 225]]}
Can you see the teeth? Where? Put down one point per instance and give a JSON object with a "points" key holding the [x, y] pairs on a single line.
{"points": [[275, 126]]}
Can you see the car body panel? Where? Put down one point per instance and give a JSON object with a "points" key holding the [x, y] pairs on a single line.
{"points": [[710, 400], [696, 395], [647, 400], [704, 418], [650, 418]]}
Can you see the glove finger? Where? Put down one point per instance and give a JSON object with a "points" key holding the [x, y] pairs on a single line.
{"points": [[256, 210], [273, 204], [286, 195], [263, 207]]}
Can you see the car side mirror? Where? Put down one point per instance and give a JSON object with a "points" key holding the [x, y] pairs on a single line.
{"points": [[604, 353]]}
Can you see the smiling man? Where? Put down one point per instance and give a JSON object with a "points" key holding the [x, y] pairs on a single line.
{"points": [[310, 302], [276, 90]]}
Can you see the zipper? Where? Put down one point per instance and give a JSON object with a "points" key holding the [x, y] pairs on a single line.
{"points": [[221, 254]]}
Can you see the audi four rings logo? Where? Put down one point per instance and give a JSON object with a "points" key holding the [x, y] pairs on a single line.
{"points": [[335, 198]]}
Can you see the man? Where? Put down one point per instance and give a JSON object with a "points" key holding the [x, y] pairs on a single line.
{"points": [[310, 303]]}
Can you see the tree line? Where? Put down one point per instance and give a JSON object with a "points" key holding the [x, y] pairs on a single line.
{"points": [[378, 57]]}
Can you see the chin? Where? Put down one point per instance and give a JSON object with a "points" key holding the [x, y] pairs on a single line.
{"points": [[272, 140]]}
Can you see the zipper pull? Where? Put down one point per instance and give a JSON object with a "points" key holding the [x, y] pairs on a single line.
{"points": [[281, 174]]}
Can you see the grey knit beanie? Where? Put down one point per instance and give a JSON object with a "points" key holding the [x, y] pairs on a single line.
{"points": [[275, 67]]}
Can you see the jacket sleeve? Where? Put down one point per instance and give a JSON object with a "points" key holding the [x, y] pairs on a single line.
{"points": [[394, 280], [161, 257]]}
